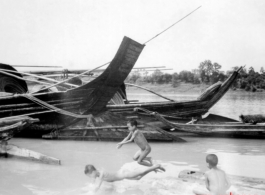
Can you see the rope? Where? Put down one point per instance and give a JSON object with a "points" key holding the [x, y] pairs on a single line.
{"points": [[171, 25], [53, 108]]}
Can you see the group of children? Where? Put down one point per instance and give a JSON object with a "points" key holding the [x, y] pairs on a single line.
{"points": [[216, 180]]}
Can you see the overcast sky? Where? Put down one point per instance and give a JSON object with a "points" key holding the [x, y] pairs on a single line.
{"points": [[87, 33]]}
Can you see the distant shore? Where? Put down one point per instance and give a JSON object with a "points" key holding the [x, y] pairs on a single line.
{"points": [[183, 88]]}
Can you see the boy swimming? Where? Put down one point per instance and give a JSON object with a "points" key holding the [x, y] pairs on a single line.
{"points": [[121, 174], [216, 180], [138, 137]]}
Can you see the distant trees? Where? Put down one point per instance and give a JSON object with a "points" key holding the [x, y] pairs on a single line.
{"points": [[210, 72], [207, 72], [251, 80]]}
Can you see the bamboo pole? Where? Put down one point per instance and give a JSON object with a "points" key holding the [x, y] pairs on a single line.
{"points": [[28, 74], [20, 78], [98, 128], [71, 78]]}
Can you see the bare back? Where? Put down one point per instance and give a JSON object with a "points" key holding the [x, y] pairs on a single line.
{"points": [[218, 183], [140, 140], [112, 176]]}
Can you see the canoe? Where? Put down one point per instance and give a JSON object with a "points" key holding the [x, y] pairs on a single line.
{"points": [[218, 126], [57, 110]]}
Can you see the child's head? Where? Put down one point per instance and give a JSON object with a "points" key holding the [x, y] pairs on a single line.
{"points": [[90, 170], [132, 124], [212, 160]]}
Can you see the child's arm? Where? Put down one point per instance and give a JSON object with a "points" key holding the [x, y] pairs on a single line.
{"points": [[97, 186], [132, 138], [227, 182], [207, 184], [119, 145]]}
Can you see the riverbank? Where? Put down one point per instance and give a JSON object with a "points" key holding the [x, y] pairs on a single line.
{"points": [[182, 88]]}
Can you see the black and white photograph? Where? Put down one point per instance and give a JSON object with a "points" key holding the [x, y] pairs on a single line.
{"points": [[143, 97]]}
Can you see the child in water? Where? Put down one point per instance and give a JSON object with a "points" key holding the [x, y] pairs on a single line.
{"points": [[216, 180], [138, 137], [121, 174]]}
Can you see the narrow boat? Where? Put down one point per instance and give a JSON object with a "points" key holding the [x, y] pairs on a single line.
{"points": [[57, 110], [217, 126], [172, 109]]}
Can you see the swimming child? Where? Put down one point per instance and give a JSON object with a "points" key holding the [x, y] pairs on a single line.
{"points": [[121, 174], [138, 137], [216, 180]]}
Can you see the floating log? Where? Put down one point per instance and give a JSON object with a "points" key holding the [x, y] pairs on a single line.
{"points": [[11, 150]]}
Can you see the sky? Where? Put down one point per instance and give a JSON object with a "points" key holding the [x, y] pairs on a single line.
{"points": [[84, 34]]}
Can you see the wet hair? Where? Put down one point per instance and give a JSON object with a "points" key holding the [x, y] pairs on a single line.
{"points": [[89, 169], [212, 159], [132, 122]]}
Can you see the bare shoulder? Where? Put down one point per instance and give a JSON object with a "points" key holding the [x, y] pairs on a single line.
{"points": [[137, 132], [206, 174], [220, 170]]}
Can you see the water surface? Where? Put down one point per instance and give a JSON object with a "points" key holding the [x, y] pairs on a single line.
{"points": [[244, 157]]}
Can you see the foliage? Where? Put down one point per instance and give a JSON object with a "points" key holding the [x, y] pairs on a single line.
{"points": [[207, 72]]}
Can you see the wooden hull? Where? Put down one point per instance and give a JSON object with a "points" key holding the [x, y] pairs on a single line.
{"points": [[221, 127], [177, 110], [90, 98], [10, 127], [110, 127]]}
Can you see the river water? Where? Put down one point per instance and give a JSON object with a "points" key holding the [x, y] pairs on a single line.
{"points": [[243, 157]]}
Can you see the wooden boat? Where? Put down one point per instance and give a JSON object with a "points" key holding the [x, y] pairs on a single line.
{"points": [[218, 126], [57, 110], [13, 125], [179, 110]]}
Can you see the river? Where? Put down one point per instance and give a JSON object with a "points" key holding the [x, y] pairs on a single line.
{"points": [[243, 157]]}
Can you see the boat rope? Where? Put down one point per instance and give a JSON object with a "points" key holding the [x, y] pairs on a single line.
{"points": [[172, 25], [53, 108], [129, 84]]}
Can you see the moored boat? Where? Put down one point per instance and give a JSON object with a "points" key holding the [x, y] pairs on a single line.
{"points": [[10, 126], [57, 110], [180, 110], [217, 126]]}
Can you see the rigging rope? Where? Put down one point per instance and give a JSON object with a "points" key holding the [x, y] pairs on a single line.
{"points": [[172, 25], [53, 108]]}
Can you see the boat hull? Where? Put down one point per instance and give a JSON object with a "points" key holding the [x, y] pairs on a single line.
{"points": [[57, 110]]}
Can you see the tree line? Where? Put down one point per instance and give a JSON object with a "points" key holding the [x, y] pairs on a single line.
{"points": [[207, 72]]}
